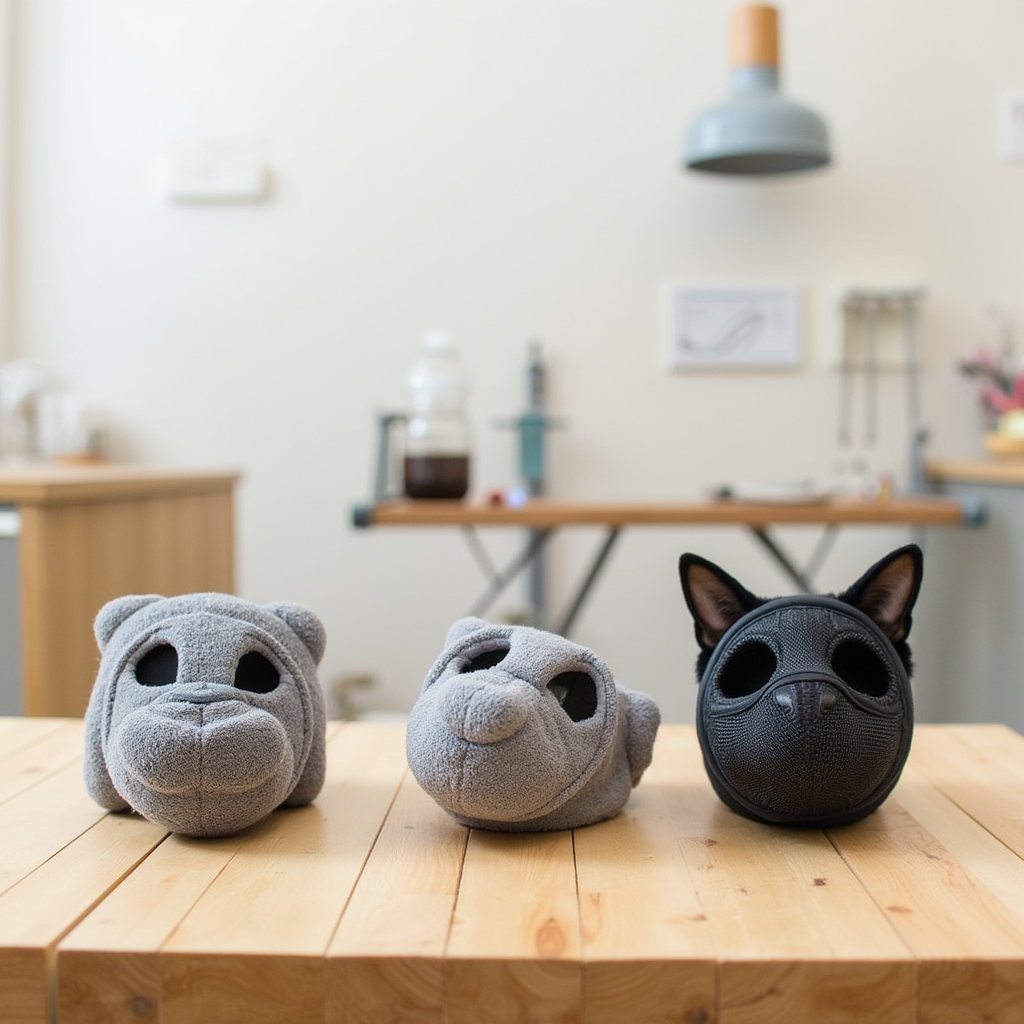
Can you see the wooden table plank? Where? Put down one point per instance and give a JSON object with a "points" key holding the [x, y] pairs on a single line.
{"points": [[981, 769], [52, 749], [1000, 742], [514, 949], [48, 902], [386, 961], [252, 947], [16, 733], [109, 964], [40, 821], [973, 846], [798, 938], [968, 945], [648, 952]]}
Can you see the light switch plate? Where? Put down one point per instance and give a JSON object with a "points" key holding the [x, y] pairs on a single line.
{"points": [[214, 184], [1010, 124], [215, 170]]}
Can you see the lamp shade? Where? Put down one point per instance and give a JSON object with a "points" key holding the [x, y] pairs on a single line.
{"points": [[756, 131]]}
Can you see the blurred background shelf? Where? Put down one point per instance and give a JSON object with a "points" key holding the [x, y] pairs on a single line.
{"points": [[77, 536]]}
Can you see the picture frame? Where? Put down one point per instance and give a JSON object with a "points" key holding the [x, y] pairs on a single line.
{"points": [[748, 327]]}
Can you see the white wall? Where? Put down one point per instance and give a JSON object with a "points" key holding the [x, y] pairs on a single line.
{"points": [[507, 170]]}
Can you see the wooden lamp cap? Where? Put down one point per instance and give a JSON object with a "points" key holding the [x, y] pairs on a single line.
{"points": [[754, 37]]}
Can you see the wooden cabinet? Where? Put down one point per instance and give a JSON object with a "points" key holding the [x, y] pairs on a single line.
{"points": [[967, 639], [88, 534]]}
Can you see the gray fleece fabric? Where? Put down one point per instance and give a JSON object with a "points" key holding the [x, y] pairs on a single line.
{"points": [[520, 730], [207, 713]]}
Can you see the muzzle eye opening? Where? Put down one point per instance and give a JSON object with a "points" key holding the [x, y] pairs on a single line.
{"points": [[255, 673], [747, 669], [158, 666], [861, 668], [576, 693], [484, 659]]}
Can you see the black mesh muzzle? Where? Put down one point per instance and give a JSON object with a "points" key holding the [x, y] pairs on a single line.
{"points": [[804, 713]]}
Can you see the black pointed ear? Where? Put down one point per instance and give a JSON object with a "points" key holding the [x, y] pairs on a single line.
{"points": [[714, 598], [887, 591]]}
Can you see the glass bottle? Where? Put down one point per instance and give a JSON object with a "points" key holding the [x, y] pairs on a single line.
{"points": [[436, 461]]}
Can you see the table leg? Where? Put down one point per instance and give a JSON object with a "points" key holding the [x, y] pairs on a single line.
{"points": [[500, 580], [782, 559], [585, 587]]}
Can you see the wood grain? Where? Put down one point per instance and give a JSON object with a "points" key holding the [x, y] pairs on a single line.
{"points": [[274, 908], [110, 969], [16, 733], [981, 770], [797, 936], [968, 944], [48, 902], [51, 748], [372, 905], [386, 961], [40, 821], [76, 557], [510, 957], [648, 952]]}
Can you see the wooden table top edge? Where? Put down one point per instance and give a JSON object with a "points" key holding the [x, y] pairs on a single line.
{"points": [[55, 484], [1006, 470], [924, 510]]}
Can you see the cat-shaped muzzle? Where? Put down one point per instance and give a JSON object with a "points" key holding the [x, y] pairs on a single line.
{"points": [[804, 713]]}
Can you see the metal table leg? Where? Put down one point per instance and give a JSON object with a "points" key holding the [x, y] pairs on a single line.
{"points": [[588, 582]]}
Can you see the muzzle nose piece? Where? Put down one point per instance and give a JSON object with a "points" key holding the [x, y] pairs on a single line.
{"points": [[485, 711], [197, 693], [806, 700]]}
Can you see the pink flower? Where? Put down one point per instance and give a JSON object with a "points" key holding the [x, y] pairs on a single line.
{"points": [[997, 400]]}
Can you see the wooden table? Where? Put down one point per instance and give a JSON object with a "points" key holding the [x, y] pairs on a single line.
{"points": [[1006, 469], [94, 532], [372, 905], [543, 517]]}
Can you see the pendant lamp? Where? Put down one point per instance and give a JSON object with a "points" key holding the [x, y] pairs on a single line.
{"points": [[756, 131]]}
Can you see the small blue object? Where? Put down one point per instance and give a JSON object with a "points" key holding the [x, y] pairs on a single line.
{"points": [[516, 497]]}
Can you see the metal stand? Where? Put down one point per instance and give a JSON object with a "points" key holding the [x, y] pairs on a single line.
{"points": [[532, 426], [866, 308], [386, 485]]}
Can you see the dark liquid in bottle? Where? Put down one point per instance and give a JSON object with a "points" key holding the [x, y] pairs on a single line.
{"points": [[437, 477]]}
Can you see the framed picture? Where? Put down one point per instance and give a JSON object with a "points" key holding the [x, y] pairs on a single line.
{"points": [[713, 327]]}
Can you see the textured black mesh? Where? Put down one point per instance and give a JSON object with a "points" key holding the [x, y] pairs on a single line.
{"points": [[810, 744], [792, 769]]}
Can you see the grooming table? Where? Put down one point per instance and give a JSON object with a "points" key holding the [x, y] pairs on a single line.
{"points": [[543, 517], [371, 905]]}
